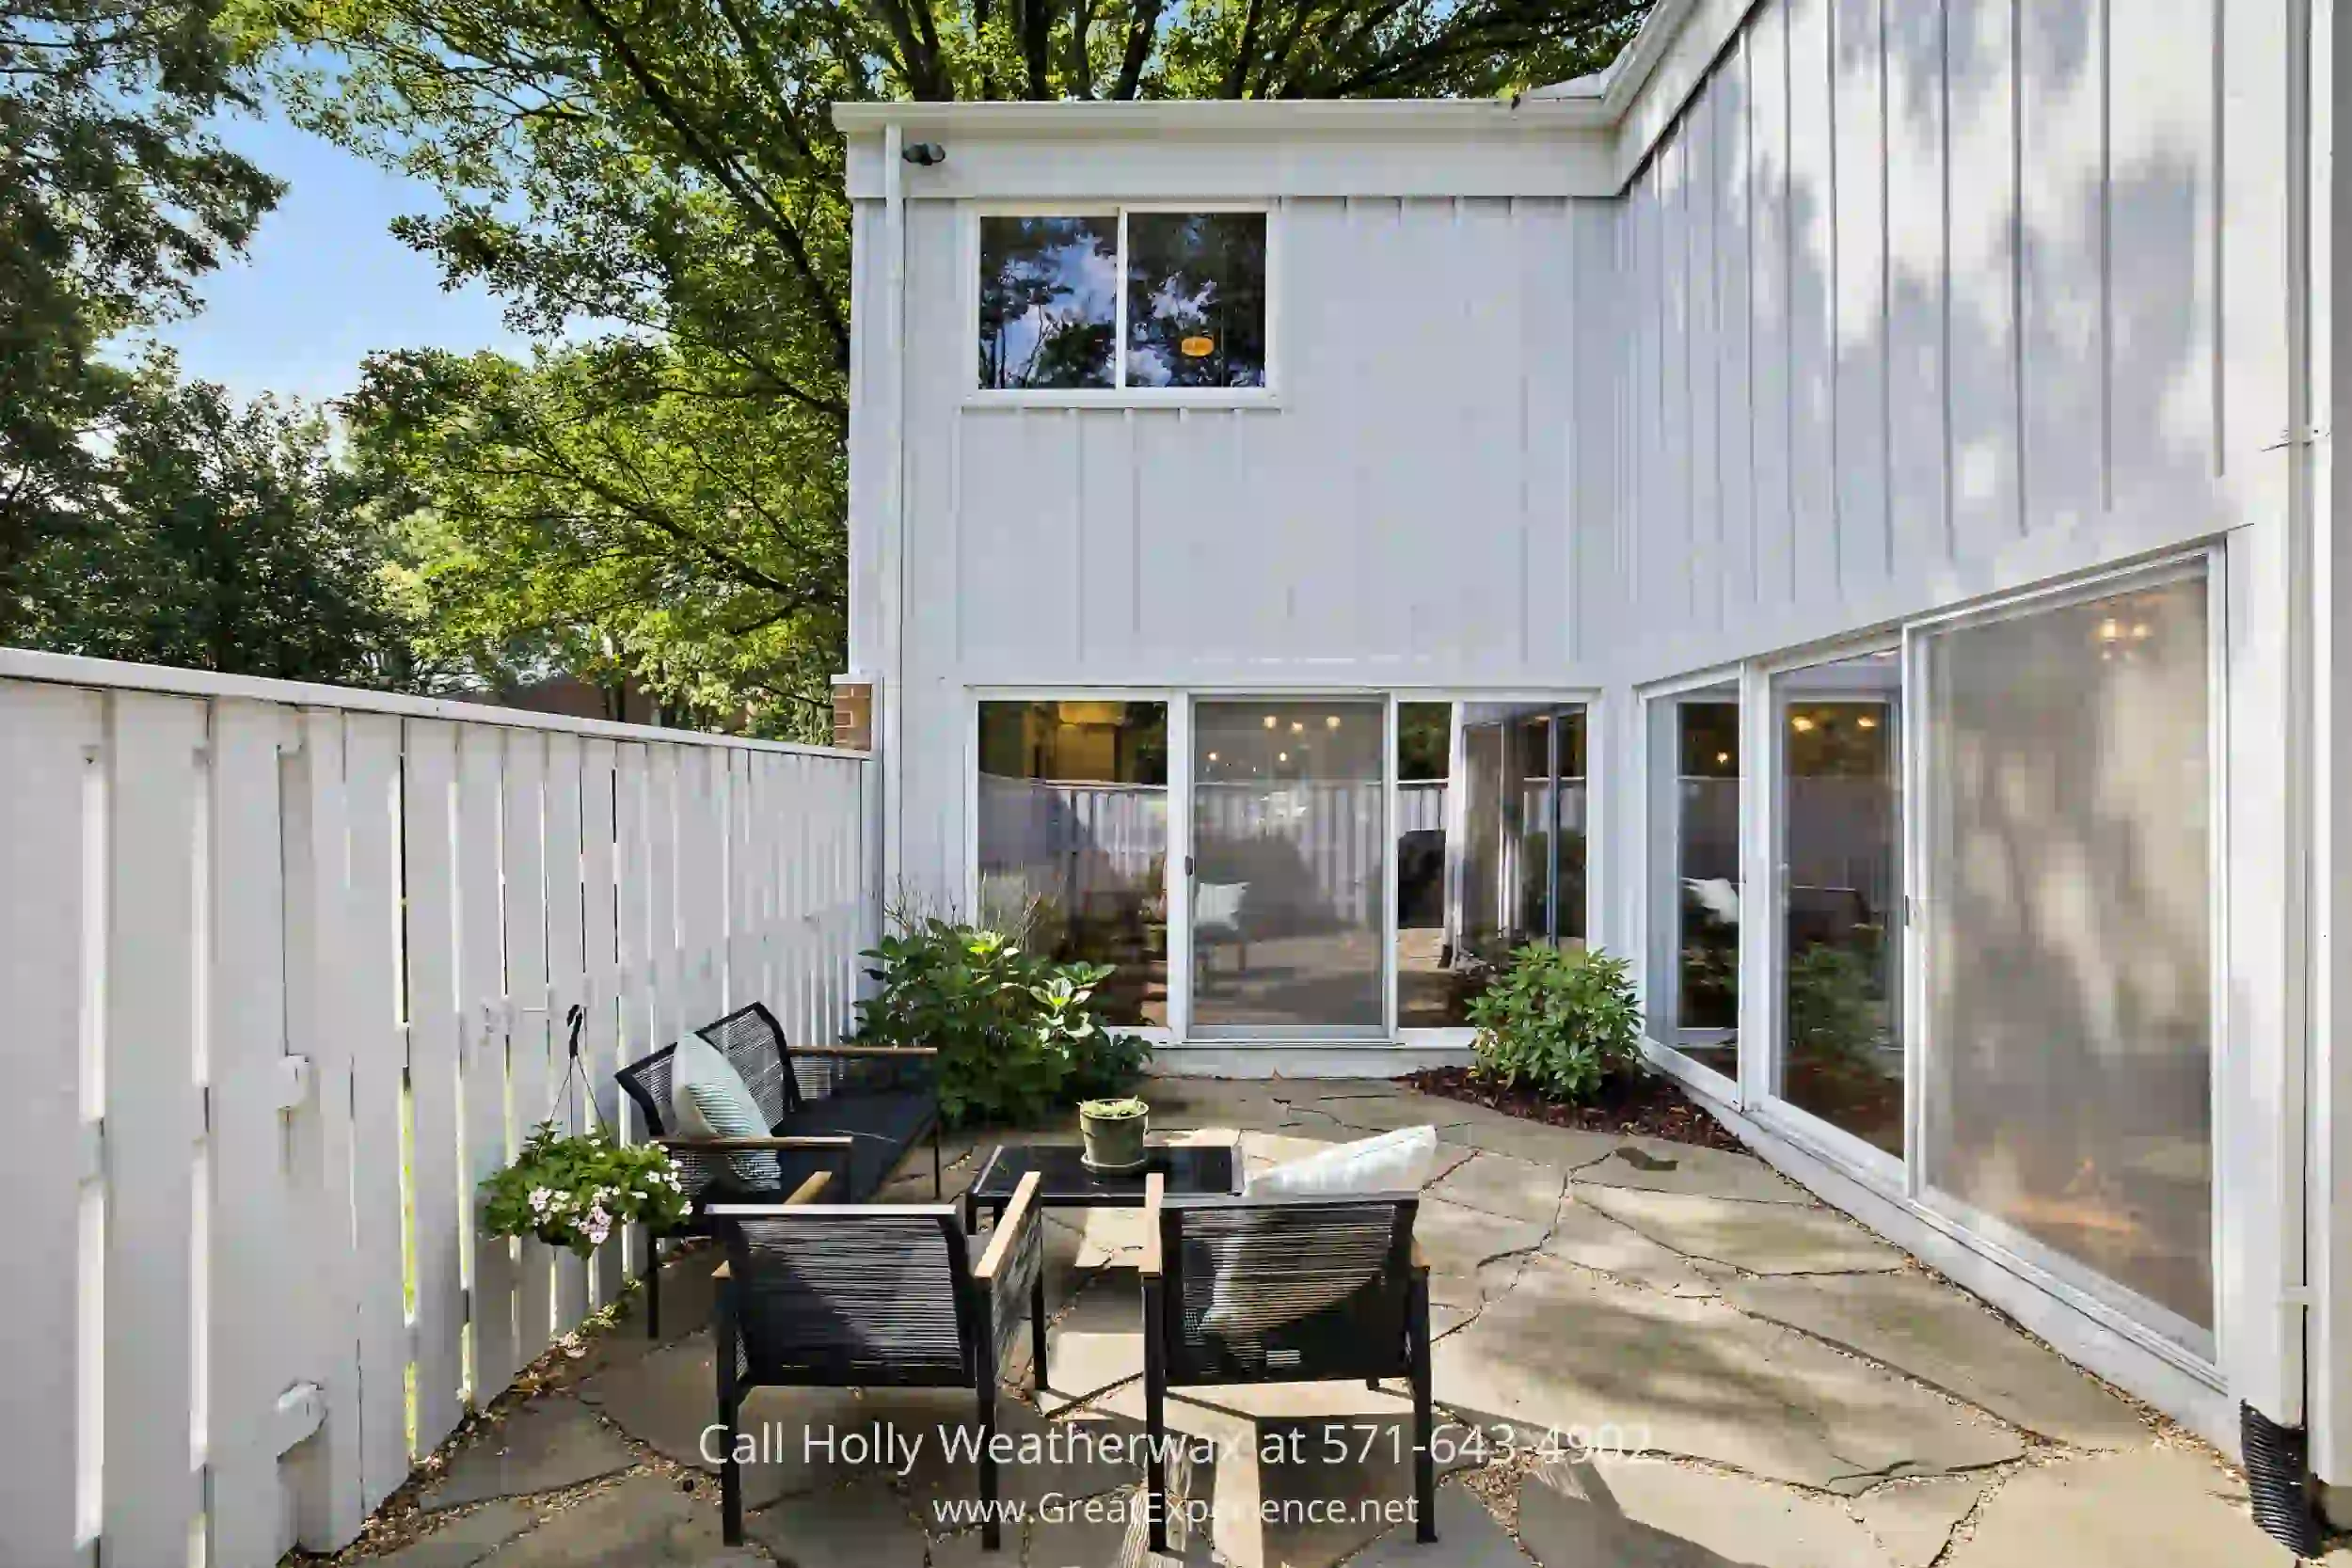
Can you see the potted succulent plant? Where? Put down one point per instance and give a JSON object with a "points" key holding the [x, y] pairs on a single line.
{"points": [[1113, 1130]]}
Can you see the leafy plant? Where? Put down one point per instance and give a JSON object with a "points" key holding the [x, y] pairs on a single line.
{"points": [[1561, 1021], [1016, 1032], [571, 1190], [1830, 1009], [1113, 1110]]}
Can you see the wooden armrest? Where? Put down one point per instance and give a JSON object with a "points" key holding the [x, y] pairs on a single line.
{"points": [[1420, 1259], [1154, 1190], [883, 1051], [721, 1273], [1008, 1226], [806, 1192], [701, 1145]]}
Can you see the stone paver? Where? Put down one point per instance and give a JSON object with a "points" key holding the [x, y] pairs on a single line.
{"points": [[1656, 1165], [1501, 1184], [464, 1540], [1761, 1238], [1468, 1537], [542, 1447], [1584, 1236], [641, 1521], [1913, 1519], [668, 1401], [1605, 1512], [1566, 1352], [862, 1526], [2155, 1508], [1819, 1401], [1941, 1336]]}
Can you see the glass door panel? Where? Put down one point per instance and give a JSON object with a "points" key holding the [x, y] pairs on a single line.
{"points": [[1290, 849], [1839, 809]]}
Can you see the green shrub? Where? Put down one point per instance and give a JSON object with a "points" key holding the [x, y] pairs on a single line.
{"points": [[1016, 1032], [1561, 1022]]}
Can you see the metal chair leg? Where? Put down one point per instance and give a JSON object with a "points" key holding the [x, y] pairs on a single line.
{"points": [[990, 1534], [1154, 1421], [653, 1286], [936, 1188], [1424, 1464], [1037, 1331], [730, 1471]]}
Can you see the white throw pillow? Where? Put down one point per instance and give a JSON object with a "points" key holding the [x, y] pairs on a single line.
{"points": [[1394, 1161], [708, 1098]]}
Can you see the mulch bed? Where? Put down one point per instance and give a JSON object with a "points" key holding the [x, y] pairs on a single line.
{"points": [[1648, 1105]]}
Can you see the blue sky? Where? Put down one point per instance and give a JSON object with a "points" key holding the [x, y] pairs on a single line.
{"points": [[324, 284]]}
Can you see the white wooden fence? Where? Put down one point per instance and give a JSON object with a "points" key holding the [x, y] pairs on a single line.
{"points": [[284, 972]]}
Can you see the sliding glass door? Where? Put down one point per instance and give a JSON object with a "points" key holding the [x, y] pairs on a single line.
{"points": [[1289, 867]]}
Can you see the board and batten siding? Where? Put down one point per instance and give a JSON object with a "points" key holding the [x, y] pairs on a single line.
{"points": [[1924, 300], [286, 970]]}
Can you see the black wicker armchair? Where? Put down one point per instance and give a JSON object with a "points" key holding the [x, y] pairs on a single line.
{"points": [[873, 1297], [849, 1110], [1282, 1289]]}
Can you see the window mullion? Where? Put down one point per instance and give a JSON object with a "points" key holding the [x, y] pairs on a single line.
{"points": [[1119, 348]]}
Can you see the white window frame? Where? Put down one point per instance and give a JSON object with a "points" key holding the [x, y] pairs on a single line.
{"points": [[1597, 775], [2104, 1301], [1761, 1069], [1663, 1052], [1121, 395]]}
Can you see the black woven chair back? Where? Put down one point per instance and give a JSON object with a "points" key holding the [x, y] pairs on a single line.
{"points": [[1286, 1290], [755, 1052], [753, 1028], [841, 1295]]}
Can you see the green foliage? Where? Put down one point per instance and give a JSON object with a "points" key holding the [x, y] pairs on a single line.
{"points": [[596, 513], [1015, 1032], [231, 541], [670, 173], [1830, 1008], [1113, 1110], [114, 194], [1560, 1020], [571, 1190]]}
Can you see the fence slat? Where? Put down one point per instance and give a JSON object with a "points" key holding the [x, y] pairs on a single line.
{"points": [[599, 1037], [481, 993], [378, 1063], [153, 1120], [566, 984], [196, 889], [49, 744], [313, 833], [439, 1213], [522, 854], [662, 888], [251, 1364]]}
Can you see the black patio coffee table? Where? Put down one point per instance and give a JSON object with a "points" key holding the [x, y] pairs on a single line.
{"points": [[1064, 1181]]}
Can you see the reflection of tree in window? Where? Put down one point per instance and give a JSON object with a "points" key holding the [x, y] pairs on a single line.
{"points": [[1048, 313], [1195, 299]]}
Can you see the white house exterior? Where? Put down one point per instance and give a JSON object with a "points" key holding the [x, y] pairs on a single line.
{"points": [[1859, 465]]}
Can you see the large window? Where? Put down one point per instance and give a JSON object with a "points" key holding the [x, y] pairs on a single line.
{"points": [[1693, 960], [1140, 299], [2067, 825], [1839, 858], [1073, 839]]}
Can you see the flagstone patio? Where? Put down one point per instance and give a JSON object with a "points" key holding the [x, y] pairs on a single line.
{"points": [[1649, 1354]]}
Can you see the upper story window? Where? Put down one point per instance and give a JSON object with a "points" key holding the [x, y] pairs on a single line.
{"points": [[1142, 298]]}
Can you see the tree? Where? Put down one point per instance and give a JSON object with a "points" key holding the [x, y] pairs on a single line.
{"points": [[113, 197], [669, 169], [226, 538], [599, 512]]}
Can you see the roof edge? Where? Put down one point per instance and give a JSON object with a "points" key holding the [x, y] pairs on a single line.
{"points": [[1197, 116]]}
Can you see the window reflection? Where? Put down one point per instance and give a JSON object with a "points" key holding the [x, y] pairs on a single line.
{"points": [[2068, 806], [1048, 301], [1693, 960], [1073, 839], [1195, 299], [1841, 893]]}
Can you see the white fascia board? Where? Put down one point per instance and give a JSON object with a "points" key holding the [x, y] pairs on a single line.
{"points": [[1597, 129]]}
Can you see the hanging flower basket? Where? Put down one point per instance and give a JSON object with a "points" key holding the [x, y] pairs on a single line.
{"points": [[573, 1190]]}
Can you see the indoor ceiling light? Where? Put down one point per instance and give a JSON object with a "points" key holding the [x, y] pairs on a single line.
{"points": [[1211, 756], [1722, 757], [1866, 722], [1283, 756], [1198, 347], [1298, 726], [1269, 721], [1331, 723], [1801, 723]]}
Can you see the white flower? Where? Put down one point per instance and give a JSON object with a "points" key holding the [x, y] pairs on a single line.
{"points": [[540, 1197]]}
